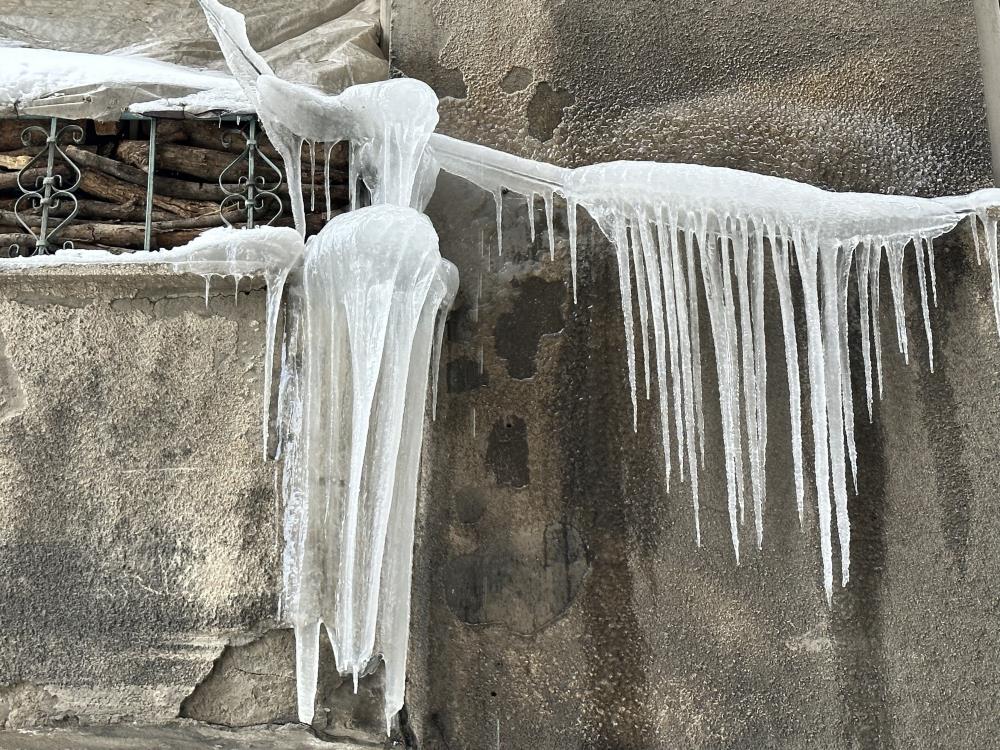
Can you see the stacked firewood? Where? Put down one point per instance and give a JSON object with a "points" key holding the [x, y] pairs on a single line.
{"points": [[192, 158]]}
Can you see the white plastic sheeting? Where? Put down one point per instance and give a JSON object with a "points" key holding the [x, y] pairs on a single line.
{"points": [[160, 57]]}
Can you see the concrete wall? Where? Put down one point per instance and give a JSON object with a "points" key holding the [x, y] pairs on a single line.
{"points": [[140, 543], [560, 601]]}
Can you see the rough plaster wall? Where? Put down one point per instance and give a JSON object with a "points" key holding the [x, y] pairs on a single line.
{"points": [[139, 519], [140, 549], [848, 95], [559, 600]]}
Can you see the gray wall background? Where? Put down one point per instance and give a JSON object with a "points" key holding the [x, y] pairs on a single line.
{"points": [[560, 601]]}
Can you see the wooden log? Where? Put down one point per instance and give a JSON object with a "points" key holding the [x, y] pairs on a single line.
{"points": [[8, 180], [88, 209], [105, 186], [19, 158], [198, 162], [164, 186], [203, 163], [22, 240], [208, 134]]}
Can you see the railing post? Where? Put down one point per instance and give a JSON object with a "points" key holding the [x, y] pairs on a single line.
{"points": [[251, 183], [150, 174]]}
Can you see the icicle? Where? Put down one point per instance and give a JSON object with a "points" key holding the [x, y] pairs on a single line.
{"points": [[531, 216], [306, 668], [760, 375], [990, 225], [498, 200], [682, 273], [641, 292], [549, 211], [620, 241], [571, 220], [844, 260], [748, 358], [665, 250], [918, 250], [713, 271], [326, 178], [208, 285], [806, 251], [732, 357], [312, 176], [650, 261], [874, 273], [863, 261], [779, 257], [830, 263], [694, 338], [974, 227], [933, 266], [450, 276], [895, 251]]}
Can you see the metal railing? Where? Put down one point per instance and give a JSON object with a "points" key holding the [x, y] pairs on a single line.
{"points": [[50, 178]]}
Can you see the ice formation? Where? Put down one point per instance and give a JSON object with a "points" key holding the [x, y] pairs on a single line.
{"points": [[363, 325], [387, 123], [676, 227]]}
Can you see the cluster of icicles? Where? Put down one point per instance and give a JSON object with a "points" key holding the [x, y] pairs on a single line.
{"points": [[368, 296], [678, 227]]}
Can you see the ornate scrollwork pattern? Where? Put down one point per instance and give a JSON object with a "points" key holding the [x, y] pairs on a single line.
{"points": [[33, 207], [254, 192]]}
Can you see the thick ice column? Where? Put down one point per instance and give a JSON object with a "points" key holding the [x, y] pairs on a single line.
{"points": [[373, 286]]}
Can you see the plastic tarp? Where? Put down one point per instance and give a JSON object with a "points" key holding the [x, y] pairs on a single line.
{"points": [[96, 59]]}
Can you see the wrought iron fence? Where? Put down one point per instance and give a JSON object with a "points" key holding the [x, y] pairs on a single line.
{"points": [[49, 179]]}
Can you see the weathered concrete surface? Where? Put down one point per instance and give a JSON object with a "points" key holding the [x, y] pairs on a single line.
{"points": [[140, 547], [559, 600], [840, 94]]}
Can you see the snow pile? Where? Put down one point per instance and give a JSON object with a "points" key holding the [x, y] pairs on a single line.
{"points": [[159, 57]]}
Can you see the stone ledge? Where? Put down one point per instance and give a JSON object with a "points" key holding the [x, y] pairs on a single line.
{"points": [[178, 735]]}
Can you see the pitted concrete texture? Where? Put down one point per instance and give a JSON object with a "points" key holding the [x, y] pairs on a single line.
{"points": [[140, 547], [560, 602], [848, 95]]}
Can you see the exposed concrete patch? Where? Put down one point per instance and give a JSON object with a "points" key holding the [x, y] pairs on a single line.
{"points": [[545, 110], [254, 684], [516, 79], [24, 705], [507, 452], [535, 310], [11, 395], [524, 582]]}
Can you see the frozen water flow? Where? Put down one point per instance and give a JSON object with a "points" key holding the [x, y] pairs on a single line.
{"points": [[367, 323]]}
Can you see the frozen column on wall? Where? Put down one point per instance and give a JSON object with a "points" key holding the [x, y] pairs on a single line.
{"points": [[364, 324]]}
